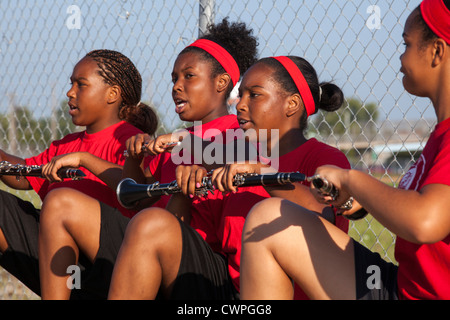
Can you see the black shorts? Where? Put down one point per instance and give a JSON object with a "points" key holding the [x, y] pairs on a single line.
{"points": [[376, 279], [96, 277], [203, 273], [19, 221]]}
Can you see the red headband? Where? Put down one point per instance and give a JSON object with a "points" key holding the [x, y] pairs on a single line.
{"points": [[300, 82], [437, 17], [222, 56]]}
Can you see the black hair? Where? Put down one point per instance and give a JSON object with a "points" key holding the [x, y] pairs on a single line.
{"points": [[331, 98], [428, 35], [116, 69], [235, 38]]}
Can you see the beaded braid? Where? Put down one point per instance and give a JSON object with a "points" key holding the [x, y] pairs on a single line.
{"points": [[117, 69]]}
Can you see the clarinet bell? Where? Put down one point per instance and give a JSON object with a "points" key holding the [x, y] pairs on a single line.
{"points": [[129, 193]]}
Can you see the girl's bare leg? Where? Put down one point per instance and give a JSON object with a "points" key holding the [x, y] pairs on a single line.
{"points": [[70, 221], [149, 258], [283, 242]]}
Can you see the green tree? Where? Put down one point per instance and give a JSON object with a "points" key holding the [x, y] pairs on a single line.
{"points": [[353, 118], [19, 129]]}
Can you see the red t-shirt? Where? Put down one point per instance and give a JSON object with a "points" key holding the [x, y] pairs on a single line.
{"points": [[108, 144], [162, 167], [221, 220], [424, 270]]}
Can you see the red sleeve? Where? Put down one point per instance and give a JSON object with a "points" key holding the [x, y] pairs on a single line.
{"points": [[333, 156], [38, 184], [154, 165], [108, 144], [440, 169]]}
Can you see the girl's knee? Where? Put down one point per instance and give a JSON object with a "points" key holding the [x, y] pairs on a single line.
{"points": [[66, 204], [151, 223], [56, 203], [276, 216], [61, 196], [264, 211], [261, 218]]}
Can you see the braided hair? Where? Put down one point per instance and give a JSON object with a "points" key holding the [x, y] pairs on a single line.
{"points": [[116, 69]]}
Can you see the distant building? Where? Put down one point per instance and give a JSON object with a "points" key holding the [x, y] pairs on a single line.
{"points": [[392, 151]]}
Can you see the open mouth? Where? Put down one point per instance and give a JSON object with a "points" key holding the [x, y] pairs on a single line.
{"points": [[244, 124], [72, 107], [179, 105], [242, 121]]}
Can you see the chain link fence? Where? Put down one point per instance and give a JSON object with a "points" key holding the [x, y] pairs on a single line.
{"points": [[355, 44]]}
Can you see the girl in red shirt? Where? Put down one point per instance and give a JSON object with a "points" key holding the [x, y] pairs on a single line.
{"points": [[325, 262], [269, 99], [105, 100], [203, 76], [202, 82], [227, 50]]}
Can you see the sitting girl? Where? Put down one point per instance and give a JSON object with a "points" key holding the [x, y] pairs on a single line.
{"points": [[202, 260], [324, 261]]}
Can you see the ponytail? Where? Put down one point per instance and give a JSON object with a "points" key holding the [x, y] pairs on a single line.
{"points": [[141, 116]]}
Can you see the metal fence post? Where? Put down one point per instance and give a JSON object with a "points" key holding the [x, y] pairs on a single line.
{"points": [[12, 130], [206, 15]]}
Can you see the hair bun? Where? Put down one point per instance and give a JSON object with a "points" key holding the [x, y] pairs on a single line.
{"points": [[331, 97]]}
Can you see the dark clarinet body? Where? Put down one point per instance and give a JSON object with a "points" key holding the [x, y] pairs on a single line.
{"points": [[280, 178], [20, 170], [129, 192]]}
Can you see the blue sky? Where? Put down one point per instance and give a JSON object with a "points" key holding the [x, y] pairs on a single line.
{"points": [[38, 51]]}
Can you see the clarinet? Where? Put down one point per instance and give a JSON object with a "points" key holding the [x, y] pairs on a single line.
{"points": [[20, 170], [327, 188], [129, 192]]}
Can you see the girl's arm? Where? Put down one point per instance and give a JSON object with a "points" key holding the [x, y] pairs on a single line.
{"points": [[188, 177], [12, 181], [180, 206], [134, 165], [417, 216], [110, 173], [134, 169]]}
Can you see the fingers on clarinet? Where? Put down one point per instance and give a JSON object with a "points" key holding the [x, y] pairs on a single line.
{"points": [[192, 184]]}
